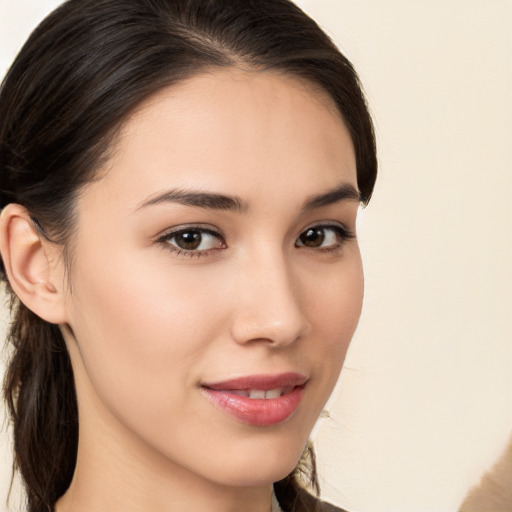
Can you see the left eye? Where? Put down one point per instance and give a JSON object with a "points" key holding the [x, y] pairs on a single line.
{"points": [[320, 237], [194, 240]]}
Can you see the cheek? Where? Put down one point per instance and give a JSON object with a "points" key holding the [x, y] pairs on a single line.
{"points": [[337, 305], [141, 329], [336, 310]]}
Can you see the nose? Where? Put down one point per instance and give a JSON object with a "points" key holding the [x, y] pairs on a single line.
{"points": [[269, 304]]}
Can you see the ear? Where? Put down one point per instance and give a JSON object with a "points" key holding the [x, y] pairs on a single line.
{"points": [[32, 264]]}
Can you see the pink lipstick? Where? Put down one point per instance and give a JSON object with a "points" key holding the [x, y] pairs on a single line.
{"points": [[259, 400]]}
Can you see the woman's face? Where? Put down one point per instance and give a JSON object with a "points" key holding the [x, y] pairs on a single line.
{"points": [[216, 280]]}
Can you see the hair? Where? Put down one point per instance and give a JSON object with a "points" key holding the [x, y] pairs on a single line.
{"points": [[81, 73]]}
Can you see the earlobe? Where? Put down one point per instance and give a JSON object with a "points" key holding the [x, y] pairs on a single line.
{"points": [[29, 265]]}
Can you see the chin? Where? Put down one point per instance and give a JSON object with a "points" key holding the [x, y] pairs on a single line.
{"points": [[263, 465], [258, 476]]}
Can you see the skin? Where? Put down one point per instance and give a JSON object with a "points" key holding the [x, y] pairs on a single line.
{"points": [[145, 325]]}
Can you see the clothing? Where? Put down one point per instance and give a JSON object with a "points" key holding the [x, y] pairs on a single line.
{"points": [[275, 504], [305, 502]]}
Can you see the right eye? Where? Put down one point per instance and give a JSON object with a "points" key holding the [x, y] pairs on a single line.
{"points": [[193, 241]]}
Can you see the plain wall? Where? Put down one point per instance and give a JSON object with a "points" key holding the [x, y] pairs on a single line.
{"points": [[424, 403]]}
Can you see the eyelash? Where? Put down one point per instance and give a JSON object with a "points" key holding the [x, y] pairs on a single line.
{"points": [[191, 253], [341, 232]]}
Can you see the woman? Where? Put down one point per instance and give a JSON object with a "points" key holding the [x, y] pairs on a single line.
{"points": [[180, 185]]}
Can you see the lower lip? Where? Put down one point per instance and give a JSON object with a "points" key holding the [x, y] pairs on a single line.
{"points": [[257, 412]]}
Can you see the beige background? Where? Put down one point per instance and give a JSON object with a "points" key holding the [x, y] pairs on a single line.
{"points": [[424, 405]]}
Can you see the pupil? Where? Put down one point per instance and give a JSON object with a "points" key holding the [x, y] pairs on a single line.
{"points": [[189, 240], [313, 237]]}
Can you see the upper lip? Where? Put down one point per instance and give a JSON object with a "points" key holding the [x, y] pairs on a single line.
{"points": [[260, 382]]}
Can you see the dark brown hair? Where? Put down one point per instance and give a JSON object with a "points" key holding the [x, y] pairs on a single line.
{"points": [[78, 77]]}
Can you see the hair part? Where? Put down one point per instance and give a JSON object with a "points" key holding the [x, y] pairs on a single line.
{"points": [[77, 79]]}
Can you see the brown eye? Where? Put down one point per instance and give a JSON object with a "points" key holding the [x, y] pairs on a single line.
{"points": [[313, 237], [193, 240], [188, 240], [323, 237]]}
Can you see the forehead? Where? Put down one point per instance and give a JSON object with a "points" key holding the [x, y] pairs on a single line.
{"points": [[241, 130]]}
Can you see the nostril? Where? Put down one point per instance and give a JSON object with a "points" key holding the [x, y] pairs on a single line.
{"points": [[256, 329]]}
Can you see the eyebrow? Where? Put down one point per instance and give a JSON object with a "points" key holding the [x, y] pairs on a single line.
{"points": [[342, 192], [208, 200], [213, 201]]}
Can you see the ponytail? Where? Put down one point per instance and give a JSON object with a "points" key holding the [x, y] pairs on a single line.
{"points": [[40, 395]]}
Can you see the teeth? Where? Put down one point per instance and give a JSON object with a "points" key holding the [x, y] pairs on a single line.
{"points": [[259, 394], [240, 392], [273, 393], [256, 394]]}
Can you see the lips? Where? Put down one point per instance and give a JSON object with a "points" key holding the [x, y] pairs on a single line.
{"points": [[259, 400]]}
